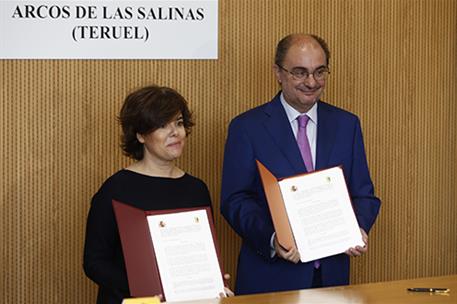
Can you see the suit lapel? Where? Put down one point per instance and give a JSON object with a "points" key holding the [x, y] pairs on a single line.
{"points": [[277, 125], [326, 132]]}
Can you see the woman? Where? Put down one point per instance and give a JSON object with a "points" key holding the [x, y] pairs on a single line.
{"points": [[155, 122]]}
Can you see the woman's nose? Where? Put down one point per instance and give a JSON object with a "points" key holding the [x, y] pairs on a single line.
{"points": [[173, 129]]}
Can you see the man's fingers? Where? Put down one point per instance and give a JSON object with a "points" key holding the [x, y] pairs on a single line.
{"points": [[292, 255], [357, 251], [364, 236]]}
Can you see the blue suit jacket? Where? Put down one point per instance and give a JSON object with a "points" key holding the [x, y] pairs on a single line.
{"points": [[264, 133]]}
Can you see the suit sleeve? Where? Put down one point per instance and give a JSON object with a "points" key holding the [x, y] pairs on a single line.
{"points": [[366, 204], [241, 204]]}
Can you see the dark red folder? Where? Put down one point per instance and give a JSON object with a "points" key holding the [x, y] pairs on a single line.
{"points": [[140, 261]]}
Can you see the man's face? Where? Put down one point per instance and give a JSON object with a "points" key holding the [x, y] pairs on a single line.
{"points": [[302, 94]]}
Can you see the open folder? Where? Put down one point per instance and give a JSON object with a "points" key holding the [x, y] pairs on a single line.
{"points": [[312, 212], [172, 253]]}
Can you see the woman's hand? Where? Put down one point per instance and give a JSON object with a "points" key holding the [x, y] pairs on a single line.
{"points": [[227, 292]]}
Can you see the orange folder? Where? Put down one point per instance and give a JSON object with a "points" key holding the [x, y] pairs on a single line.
{"points": [[277, 208], [137, 246]]}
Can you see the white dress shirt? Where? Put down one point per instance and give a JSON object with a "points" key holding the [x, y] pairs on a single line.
{"points": [[311, 128]]}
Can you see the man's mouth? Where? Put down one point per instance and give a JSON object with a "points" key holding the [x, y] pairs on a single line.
{"points": [[308, 91]]}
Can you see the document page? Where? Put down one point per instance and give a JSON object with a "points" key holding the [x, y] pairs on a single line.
{"points": [[320, 213], [186, 256]]}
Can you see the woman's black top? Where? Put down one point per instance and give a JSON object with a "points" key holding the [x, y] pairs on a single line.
{"points": [[103, 258]]}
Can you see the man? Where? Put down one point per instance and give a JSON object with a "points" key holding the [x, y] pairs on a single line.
{"points": [[269, 133]]}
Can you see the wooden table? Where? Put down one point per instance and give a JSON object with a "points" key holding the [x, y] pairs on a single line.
{"points": [[383, 292]]}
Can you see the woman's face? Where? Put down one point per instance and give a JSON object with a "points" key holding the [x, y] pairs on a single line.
{"points": [[166, 143]]}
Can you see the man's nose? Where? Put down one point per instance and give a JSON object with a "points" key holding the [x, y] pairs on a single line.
{"points": [[309, 80]]}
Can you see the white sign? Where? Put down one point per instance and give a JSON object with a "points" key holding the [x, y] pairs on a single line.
{"points": [[126, 29]]}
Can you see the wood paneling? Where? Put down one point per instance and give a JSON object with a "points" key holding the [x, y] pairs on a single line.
{"points": [[393, 64]]}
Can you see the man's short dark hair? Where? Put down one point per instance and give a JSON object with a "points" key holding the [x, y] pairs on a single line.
{"points": [[285, 43], [147, 109]]}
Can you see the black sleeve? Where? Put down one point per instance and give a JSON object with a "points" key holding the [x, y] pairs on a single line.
{"points": [[206, 197], [102, 251]]}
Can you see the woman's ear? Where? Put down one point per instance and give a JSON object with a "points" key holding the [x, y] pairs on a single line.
{"points": [[140, 138]]}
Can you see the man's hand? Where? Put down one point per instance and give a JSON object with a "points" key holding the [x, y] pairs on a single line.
{"points": [[359, 250], [292, 255]]}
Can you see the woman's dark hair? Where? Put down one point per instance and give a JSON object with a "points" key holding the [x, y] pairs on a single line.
{"points": [[147, 109]]}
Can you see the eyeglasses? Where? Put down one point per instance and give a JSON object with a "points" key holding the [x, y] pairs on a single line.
{"points": [[319, 74]]}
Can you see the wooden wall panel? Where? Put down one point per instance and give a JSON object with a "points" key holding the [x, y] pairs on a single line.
{"points": [[393, 63]]}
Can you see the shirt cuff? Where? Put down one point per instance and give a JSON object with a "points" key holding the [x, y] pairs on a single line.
{"points": [[272, 245]]}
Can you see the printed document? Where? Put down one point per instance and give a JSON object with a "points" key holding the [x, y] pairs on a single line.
{"points": [[320, 213], [186, 256]]}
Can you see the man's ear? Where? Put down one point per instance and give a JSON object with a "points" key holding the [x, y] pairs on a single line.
{"points": [[277, 72]]}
